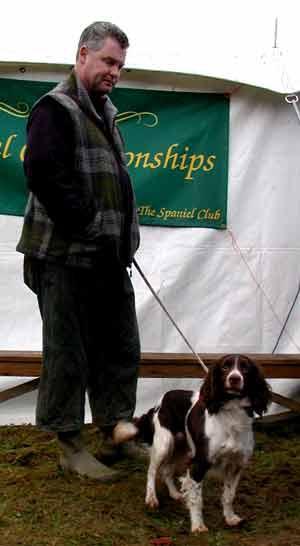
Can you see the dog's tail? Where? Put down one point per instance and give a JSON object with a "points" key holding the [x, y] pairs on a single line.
{"points": [[140, 428]]}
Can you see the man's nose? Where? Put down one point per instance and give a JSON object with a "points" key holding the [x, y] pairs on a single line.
{"points": [[115, 70]]}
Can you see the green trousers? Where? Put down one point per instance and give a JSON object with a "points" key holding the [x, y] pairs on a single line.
{"points": [[90, 344]]}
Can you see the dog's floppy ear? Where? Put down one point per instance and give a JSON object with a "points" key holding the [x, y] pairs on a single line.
{"points": [[211, 392], [259, 391]]}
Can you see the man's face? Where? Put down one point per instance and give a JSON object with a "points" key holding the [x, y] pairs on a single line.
{"points": [[100, 70]]}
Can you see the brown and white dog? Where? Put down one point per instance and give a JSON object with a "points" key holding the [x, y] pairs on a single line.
{"points": [[202, 431]]}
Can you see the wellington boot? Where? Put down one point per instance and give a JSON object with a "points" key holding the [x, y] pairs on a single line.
{"points": [[75, 458], [109, 452]]}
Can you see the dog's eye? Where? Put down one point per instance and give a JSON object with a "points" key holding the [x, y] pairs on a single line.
{"points": [[225, 367]]}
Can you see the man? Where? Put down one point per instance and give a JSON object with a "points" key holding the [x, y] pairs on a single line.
{"points": [[79, 237]]}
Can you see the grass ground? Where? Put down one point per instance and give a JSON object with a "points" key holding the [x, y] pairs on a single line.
{"points": [[42, 506]]}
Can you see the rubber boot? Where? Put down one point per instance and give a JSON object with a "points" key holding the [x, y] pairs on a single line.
{"points": [[111, 452], [75, 458]]}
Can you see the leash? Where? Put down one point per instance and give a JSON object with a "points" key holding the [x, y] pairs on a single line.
{"points": [[204, 367]]}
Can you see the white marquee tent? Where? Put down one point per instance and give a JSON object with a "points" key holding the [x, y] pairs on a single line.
{"points": [[228, 290]]}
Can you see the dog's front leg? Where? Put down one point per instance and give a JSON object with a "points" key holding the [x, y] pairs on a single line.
{"points": [[192, 495], [231, 482]]}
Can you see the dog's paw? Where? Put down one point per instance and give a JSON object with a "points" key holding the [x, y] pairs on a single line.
{"points": [[234, 521], [200, 529], [152, 501]]}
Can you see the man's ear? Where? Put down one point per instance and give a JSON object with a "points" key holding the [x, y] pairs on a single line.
{"points": [[83, 51]]}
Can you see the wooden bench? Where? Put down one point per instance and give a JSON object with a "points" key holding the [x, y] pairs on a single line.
{"points": [[154, 365]]}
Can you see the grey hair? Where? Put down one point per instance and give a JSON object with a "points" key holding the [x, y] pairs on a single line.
{"points": [[94, 35]]}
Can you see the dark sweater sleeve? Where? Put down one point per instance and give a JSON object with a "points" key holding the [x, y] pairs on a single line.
{"points": [[49, 168]]}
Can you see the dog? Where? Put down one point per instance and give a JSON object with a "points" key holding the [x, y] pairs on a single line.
{"points": [[191, 433]]}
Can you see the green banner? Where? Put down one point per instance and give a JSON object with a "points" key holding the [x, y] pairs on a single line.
{"points": [[176, 150]]}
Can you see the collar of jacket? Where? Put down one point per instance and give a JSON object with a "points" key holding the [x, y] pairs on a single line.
{"points": [[74, 87]]}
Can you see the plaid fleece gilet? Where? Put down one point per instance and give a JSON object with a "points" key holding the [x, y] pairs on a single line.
{"points": [[100, 167]]}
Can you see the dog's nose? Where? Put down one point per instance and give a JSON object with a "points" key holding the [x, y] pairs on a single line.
{"points": [[235, 379]]}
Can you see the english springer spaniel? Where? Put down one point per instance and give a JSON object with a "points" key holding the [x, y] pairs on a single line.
{"points": [[201, 431]]}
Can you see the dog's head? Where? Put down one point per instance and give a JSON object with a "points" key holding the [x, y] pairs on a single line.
{"points": [[235, 376]]}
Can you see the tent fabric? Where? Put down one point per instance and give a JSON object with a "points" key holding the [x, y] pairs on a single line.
{"points": [[229, 291], [273, 69]]}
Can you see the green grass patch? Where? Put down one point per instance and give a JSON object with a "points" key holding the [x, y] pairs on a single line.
{"points": [[42, 506]]}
